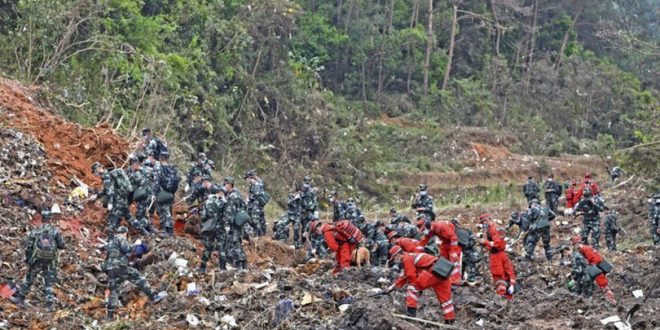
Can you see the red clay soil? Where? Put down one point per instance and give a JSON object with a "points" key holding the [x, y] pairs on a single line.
{"points": [[76, 147]]}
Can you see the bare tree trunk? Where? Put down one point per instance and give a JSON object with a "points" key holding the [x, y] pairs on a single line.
{"points": [[415, 13], [452, 39], [498, 31], [340, 4], [351, 10], [381, 51], [530, 57], [564, 42], [429, 47]]}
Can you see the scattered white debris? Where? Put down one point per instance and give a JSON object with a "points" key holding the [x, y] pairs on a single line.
{"points": [[191, 289], [638, 293], [344, 307], [480, 322], [204, 301], [580, 311], [229, 320], [192, 320], [383, 280]]}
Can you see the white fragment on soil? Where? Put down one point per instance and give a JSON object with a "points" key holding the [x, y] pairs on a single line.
{"points": [[638, 293], [613, 318], [344, 307], [229, 320], [192, 320], [480, 322]]}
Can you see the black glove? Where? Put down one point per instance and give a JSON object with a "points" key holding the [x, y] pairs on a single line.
{"points": [[352, 240]]}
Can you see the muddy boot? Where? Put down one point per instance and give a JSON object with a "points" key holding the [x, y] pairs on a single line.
{"points": [[411, 311], [242, 264]]}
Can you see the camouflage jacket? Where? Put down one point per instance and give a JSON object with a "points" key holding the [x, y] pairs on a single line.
{"points": [[611, 222], [30, 242], [294, 206], [590, 207], [256, 189], [579, 264], [408, 230], [354, 215], [654, 215], [537, 213], [338, 210], [531, 189], [234, 204], [376, 235], [521, 221], [198, 169], [118, 250], [110, 191], [425, 202], [160, 175], [309, 201], [552, 188], [212, 210], [399, 218], [200, 194], [151, 146]]}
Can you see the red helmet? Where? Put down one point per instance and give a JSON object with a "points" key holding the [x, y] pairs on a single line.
{"points": [[392, 235], [421, 222], [573, 183], [484, 216], [313, 225], [394, 251], [587, 175], [576, 239]]}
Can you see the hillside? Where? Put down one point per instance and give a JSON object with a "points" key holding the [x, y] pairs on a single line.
{"points": [[277, 290]]}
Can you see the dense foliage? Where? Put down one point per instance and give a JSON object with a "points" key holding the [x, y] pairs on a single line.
{"points": [[290, 85]]}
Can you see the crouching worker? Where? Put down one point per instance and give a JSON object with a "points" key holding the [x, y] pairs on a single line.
{"points": [[422, 271], [597, 270], [342, 237], [501, 268], [118, 269]]}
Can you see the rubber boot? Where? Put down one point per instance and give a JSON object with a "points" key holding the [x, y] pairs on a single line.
{"points": [[412, 312]]}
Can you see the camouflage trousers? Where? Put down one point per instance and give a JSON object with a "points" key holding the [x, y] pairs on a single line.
{"points": [[119, 211], [49, 273], [234, 246], [379, 253], [257, 220], [533, 238], [583, 284], [214, 241], [320, 247], [140, 221], [552, 202], [591, 225], [283, 229], [165, 217], [610, 239], [471, 259], [654, 233], [305, 219], [117, 276]]}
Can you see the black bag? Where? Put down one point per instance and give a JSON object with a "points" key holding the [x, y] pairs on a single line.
{"points": [[241, 217], [605, 266], [208, 226], [139, 194], [170, 179], [164, 197], [594, 271], [263, 199], [160, 148], [442, 267], [463, 237], [542, 224]]}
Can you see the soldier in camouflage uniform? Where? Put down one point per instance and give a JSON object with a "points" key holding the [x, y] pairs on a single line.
{"points": [[319, 248], [148, 166], [552, 192], [309, 203], [114, 200], [519, 219], [395, 217], [166, 180], [539, 216], [152, 144], [654, 219], [214, 234], [611, 229], [41, 255], [531, 190], [141, 195], [380, 244], [256, 201], [423, 203], [202, 167], [354, 215], [202, 187], [338, 207], [235, 203], [590, 208], [581, 282], [471, 255], [409, 230], [292, 216], [118, 269]]}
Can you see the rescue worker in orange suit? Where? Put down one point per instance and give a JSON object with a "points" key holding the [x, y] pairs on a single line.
{"points": [[501, 268], [588, 183], [449, 247], [417, 274], [342, 237], [594, 258], [407, 244], [570, 194]]}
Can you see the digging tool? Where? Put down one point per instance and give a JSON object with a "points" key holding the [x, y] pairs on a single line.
{"points": [[637, 306], [520, 237]]}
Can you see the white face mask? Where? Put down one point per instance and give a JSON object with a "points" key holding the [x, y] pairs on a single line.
{"points": [[550, 179]]}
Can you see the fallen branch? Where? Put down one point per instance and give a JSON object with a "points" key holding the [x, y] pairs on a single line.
{"points": [[624, 182], [439, 325]]}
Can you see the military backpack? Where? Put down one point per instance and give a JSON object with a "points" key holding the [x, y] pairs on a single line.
{"points": [[122, 182], [44, 246]]}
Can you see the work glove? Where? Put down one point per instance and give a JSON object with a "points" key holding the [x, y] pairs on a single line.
{"points": [[352, 240], [510, 289], [186, 188], [93, 197], [110, 207], [390, 288], [453, 256]]}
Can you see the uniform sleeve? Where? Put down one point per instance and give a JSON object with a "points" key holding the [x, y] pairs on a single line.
{"points": [[509, 271], [125, 247], [329, 237], [108, 187], [155, 187], [409, 269], [59, 241]]}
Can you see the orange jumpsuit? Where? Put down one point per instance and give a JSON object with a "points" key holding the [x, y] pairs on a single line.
{"points": [[501, 267], [417, 273], [594, 258], [338, 237], [410, 245], [446, 232]]}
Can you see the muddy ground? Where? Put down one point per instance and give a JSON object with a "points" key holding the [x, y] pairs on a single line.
{"points": [[42, 152]]}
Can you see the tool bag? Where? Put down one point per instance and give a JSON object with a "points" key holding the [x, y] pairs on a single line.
{"points": [[463, 237], [605, 266], [594, 271], [263, 199], [241, 217], [442, 267], [208, 226], [140, 194]]}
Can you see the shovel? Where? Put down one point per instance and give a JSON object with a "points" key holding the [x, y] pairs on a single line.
{"points": [[637, 306]]}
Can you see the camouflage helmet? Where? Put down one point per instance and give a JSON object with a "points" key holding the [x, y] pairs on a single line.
{"points": [[423, 187], [392, 210], [141, 156], [132, 159], [201, 156], [229, 179], [207, 177], [350, 200], [379, 223], [515, 214], [96, 166], [535, 200], [121, 230], [45, 215], [164, 155], [250, 174], [146, 130], [307, 179]]}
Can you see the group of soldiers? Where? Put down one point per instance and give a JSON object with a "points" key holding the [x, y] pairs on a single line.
{"points": [[431, 253]]}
